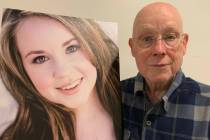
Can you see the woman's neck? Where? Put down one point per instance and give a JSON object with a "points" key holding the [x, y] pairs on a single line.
{"points": [[93, 122], [88, 109]]}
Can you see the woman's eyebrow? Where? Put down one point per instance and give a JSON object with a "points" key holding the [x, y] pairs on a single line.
{"points": [[34, 52], [41, 51], [68, 41]]}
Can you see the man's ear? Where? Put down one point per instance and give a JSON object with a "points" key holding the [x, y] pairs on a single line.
{"points": [[185, 42], [131, 45]]}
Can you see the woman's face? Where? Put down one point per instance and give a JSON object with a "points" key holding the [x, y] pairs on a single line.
{"points": [[55, 62]]}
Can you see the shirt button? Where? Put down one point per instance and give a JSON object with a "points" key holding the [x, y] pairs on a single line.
{"points": [[148, 123]]}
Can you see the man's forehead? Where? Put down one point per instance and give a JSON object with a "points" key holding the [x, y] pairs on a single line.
{"points": [[157, 28], [158, 15], [157, 8]]}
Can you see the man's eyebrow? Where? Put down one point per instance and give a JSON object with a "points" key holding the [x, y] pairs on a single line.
{"points": [[171, 28], [146, 27], [68, 41], [34, 52]]}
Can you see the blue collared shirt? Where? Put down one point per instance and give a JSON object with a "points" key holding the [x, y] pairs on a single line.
{"points": [[182, 114]]}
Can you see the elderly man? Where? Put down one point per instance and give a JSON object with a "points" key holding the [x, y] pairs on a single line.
{"points": [[160, 103]]}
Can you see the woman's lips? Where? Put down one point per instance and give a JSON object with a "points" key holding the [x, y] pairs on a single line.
{"points": [[72, 87]]}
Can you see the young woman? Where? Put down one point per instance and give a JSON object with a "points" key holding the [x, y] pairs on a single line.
{"points": [[63, 72]]}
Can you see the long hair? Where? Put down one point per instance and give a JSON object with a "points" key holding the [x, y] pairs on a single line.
{"points": [[37, 117]]}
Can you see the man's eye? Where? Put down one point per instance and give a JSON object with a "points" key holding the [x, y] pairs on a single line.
{"points": [[72, 48], [170, 37], [148, 39], [40, 59]]}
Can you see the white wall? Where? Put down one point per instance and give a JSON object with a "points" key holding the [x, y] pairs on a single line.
{"points": [[195, 15]]}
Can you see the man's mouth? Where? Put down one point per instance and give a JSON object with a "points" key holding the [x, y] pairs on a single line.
{"points": [[160, 65]]}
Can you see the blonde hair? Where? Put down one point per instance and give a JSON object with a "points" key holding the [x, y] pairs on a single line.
{"points": [[37, 117]]}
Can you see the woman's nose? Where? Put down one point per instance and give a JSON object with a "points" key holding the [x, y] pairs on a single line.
{"points": [[62, 69]]}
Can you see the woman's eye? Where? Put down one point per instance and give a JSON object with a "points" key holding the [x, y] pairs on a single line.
{"points": [[72, 48], [40, 59]]}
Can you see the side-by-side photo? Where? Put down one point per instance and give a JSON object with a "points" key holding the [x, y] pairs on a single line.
{"points": [[63, 74]]}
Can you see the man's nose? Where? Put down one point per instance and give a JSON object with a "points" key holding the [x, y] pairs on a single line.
{"points": [[159, 47]]}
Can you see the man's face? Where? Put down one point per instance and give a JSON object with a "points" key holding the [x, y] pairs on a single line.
{"points": [[158, 45]]}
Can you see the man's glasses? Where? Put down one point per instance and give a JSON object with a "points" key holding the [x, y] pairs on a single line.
{"points": [[170, 39]]}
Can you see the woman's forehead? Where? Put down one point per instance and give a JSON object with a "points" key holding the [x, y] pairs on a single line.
{"points": [[41, 32]]}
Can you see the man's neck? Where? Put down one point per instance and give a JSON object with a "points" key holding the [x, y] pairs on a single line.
{"points": [[155, 91]]}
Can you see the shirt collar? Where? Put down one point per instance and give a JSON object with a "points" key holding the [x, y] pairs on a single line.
{"points": [[139, 86], [175, 84]]}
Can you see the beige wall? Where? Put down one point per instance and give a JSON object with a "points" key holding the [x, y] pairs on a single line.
{"points": [[196, 22]]}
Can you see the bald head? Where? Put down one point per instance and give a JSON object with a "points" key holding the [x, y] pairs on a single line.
{"points": [[157, 13], [158, 39]]}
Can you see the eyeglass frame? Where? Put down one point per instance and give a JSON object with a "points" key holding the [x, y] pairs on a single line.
{"points": [[156, 38]]}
